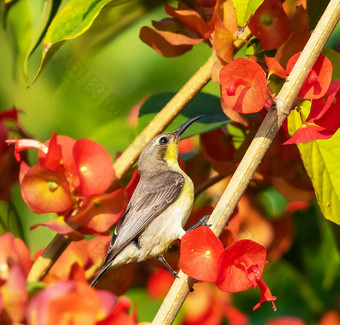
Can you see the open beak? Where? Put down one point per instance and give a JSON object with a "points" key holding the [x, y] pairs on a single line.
{"points": [[184, 126]]}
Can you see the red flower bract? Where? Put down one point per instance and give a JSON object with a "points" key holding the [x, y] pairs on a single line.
{"points": [[45, 191], [235, 265], [94, 167], [200, 250], [270, 24], [325, 111], [69, 302], [319, 78], [15, 263], [240, 267], [243, 86]]}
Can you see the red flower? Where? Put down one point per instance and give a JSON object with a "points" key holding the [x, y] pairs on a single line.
{"points": [[318, 80], [240, 267], [94, 167], [45, 190], [275, 67], [70, 302], [270, 24], [176, 36], [70, 180], [243, 86], [200, 250], [15, 263], [325, 111], [309, 133], [159, 284]]}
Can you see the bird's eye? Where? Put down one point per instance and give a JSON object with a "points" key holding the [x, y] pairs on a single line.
{"points": [[163, 140]]}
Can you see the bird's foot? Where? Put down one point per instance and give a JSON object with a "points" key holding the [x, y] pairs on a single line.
{"points": [[163, 260]]}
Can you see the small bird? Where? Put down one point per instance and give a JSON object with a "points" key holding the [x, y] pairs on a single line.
{"points": [[159, 207]]}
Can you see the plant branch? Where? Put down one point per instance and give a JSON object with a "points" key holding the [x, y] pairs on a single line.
{"points": [[252, 158]]}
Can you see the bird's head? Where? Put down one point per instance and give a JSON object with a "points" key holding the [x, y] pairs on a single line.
{"points": [[162, 151]]}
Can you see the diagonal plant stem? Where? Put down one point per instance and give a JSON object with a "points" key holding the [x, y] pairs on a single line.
{"points": [[252, 158]]}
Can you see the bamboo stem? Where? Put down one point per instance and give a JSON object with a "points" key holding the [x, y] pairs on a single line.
{"points": [[252, 158]]}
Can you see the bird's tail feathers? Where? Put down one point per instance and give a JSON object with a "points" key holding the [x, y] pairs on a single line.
{"points": [[96, 278]]}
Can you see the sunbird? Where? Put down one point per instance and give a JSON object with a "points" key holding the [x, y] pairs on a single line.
{"points": [[159, 207]]}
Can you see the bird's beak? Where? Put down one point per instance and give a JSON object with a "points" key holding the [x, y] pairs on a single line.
{"points": [[184, 126]]}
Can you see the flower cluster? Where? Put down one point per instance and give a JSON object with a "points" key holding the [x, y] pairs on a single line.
{"points": [[235, 268], [246, 82], [72, 178], [64, 302]]}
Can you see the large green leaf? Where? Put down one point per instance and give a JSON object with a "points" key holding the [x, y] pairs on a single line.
{"points": [[72, 21], [203, 104], [110, 22], [49, 11], [321, 160], [244, 9]]}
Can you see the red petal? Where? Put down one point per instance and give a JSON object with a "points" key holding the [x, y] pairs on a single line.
{"points": [[325, 111], [223, 41], [24, 144], [94, 167], [53, 159], [266, 294], [275, 67], [13, 250], [159, 284], [284, 320], [236, 263], [250, 94], [190, 18], [100, 212], [309, 133], [200, 250], [319, 78], [217, 145], [45, 191], [130, 188], [11, 114], [270, 24], [15, 296], [58, 225], [66, 144], [166, 43]]}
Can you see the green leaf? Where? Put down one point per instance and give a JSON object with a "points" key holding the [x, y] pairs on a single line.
{"points": [[110, 22], [72, 21], [245, 9], [203, 104], [9, 220], [273, 203], [321, 160], [49, 11]]}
